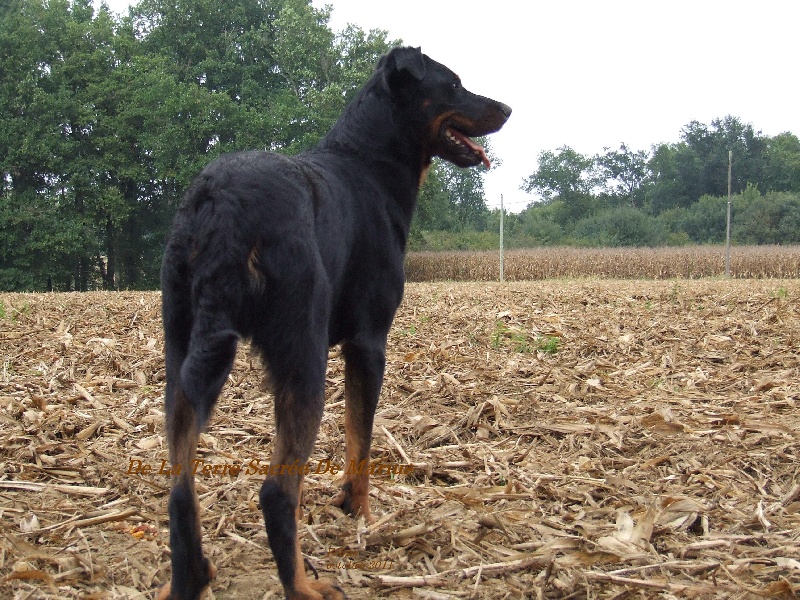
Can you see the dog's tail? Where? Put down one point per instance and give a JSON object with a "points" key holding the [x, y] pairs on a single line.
{"points": [[200, 349], [198, 307]]}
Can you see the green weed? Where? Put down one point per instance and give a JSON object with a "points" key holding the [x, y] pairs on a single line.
{"points": [[548, 344], [520, 341], [781, 293], [500, 331], [674, 293]]}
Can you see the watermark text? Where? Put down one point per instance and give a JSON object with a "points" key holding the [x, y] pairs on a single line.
{"points": [[256, 466]]}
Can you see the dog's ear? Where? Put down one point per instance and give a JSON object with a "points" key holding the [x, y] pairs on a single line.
{"points": [[402, 65], [409, 60]]}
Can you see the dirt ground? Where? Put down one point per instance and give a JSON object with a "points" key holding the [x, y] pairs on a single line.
{"points": [[568, 439]]}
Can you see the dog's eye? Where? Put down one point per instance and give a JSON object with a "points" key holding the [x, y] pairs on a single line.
{"points": [[457, 84]]}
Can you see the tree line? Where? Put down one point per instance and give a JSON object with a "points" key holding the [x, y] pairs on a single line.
{"points": [[674, 194], [104, 120]]}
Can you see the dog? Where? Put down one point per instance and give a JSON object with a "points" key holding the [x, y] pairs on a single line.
{"points": [[299, 254]]}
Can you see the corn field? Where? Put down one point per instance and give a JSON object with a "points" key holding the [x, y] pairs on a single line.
{"points": [[690, 262]]}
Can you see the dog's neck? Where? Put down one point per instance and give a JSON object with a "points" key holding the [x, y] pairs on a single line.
{"points": [[366, 131]]}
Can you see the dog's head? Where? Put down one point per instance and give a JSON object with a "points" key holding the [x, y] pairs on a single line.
{"points": [[448, 114]]}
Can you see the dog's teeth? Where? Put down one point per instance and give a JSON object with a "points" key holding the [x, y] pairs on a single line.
{"points": [[452, 138]]}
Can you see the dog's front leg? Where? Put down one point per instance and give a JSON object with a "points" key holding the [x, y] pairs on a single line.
{"points": [[297, 419], [364, 367]]}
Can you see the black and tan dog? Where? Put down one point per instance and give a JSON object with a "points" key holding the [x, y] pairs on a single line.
{"points": [[298, 254]]}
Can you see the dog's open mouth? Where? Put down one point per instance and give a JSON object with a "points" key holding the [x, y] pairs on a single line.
{"points": [[462, 150]]}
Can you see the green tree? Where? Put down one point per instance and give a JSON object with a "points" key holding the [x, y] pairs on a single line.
{"points": [[561, 174], [51, 167], [223, 47], [674, 180], [782, 169], [434, 210], [567, 176], [698, 165], [279, 60], [103, 123], [620, 226], [771, 218], [538, 225], [623, 173], [465, 187]]}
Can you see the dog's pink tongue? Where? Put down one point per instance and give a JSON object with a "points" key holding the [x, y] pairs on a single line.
{"points": [[476, 148]]}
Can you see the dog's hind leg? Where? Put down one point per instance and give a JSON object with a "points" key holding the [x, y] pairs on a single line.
{"points": [[298, 413], [364, 367], [197, 366], [294, 343]]}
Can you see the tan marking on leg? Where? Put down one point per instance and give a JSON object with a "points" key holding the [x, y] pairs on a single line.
{"points": [[355, 490], [256, 277], [306, 589], [182, 438]]}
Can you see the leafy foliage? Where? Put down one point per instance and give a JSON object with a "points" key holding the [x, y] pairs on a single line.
{"points": [[621, 226], [675, 194], [104, 121]]}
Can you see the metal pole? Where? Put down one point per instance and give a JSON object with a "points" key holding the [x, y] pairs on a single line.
{"points": [[502, 257], [728, 228]]}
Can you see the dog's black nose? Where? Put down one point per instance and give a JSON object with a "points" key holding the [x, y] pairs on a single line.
{"points": [[505, 109]]}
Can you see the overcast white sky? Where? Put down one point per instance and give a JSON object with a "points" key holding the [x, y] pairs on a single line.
{"points": [[592, 74]]}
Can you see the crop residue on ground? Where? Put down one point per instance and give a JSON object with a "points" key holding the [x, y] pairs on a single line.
{"points": [[581, 439]]}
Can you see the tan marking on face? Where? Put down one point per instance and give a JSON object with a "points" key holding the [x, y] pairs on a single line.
{"points": [[436, 125], [424, 174]]}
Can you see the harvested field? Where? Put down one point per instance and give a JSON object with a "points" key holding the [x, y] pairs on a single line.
{"points": [[689, 262], [570, 439]]}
